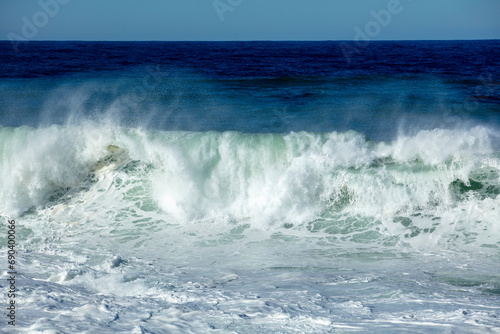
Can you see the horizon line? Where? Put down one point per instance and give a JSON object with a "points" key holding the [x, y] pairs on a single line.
{"points": [[256, 40]]}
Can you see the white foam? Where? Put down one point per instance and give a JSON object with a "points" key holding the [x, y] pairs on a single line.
{"points": [[267, 180]]}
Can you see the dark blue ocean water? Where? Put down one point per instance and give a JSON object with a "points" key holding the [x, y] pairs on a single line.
{"points": [[380, 90]]}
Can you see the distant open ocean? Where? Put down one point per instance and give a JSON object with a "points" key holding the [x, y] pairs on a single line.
{"points": [[251, 187]]}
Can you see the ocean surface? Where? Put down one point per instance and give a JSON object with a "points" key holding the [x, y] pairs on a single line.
{"points": [[251, 187]]}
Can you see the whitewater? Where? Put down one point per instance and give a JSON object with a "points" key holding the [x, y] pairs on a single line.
{"points": [[129, 229]]}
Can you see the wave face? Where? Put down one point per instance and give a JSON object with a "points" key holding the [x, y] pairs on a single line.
{"points": [[333, 183]]}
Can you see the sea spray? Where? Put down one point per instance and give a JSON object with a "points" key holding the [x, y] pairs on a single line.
{"points": [[405, 188]]}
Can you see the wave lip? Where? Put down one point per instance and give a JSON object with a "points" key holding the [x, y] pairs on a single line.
{"points": [[38, 165]]}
